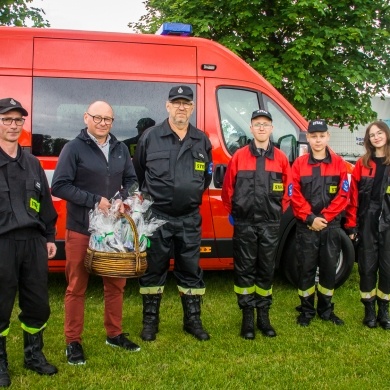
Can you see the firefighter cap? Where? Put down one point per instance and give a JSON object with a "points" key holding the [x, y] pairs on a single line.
{"points": [[181, 92], [9, 104], [317, 125], [265, 113]]}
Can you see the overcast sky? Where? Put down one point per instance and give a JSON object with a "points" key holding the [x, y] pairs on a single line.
{"points": [[98, 15]]}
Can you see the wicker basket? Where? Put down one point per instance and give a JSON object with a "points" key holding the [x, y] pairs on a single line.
{"points": [[117, 264]]}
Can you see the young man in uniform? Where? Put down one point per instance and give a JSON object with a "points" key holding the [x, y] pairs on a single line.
{"points": [[320, 195], [91, 169], [27, 230], [173, 164], [256, 191]]}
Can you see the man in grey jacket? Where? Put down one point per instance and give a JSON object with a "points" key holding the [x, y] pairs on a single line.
{"points": [[91, 169]]}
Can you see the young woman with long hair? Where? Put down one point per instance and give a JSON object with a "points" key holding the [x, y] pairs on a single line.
{"points": [[368, 219]]}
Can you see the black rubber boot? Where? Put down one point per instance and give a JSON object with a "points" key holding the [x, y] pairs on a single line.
{"points": [[191, 319], [383, 314], [151, 316], [248, 323], [306, 310], [263, 322], [369, 313], [325, 309], [5, 380], [34, 359]]}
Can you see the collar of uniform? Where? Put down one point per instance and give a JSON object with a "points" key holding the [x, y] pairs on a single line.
{"points": [[269, 153], [167, 131], [20, 159], [326, 160]]}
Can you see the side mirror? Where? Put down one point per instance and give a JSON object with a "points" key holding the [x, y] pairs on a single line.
{"points": [[219, 174], [288, 145], [303, 145]]}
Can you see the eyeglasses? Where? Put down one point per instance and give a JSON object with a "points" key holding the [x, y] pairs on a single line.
{"points": [[98, 119], [178, 104], [264, 125], [8, 121], [378, 133]]}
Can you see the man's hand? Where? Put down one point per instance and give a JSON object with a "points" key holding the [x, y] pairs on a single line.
{"points": [[318, 224], [51, 249], [104, 205]]}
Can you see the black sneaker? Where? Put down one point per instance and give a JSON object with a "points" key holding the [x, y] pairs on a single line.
{"points": [[123, 342], [75, 353]]}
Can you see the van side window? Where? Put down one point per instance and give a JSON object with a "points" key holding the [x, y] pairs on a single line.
{"points": [[283, 125], [235, 110], [59, 105]]}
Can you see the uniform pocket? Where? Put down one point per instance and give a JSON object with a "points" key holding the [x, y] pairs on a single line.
{"points": [[332, 185], [276, 186], [158, 163], [5, 204], [200, 162], [33, 196]]}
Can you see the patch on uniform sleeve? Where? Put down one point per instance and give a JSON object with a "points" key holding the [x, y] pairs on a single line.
{"points": [[200, 166], [210, 169], [345, 185], [290, 189], [35, 205]]}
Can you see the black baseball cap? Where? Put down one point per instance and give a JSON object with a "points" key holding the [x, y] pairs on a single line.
{"points": [[317, 125], [181, 92], [9, 104], [258, 113]]}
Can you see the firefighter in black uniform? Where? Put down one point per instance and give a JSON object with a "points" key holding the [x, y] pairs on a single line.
{"points": [[256, 191], [320, 191], [27, 230], [368, 215], [174, 165]]}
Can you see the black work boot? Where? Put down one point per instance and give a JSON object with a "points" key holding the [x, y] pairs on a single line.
{"points": [[369, 313], [306, 310], [34, 359], [151, 311], [191, 319], [263, 322], [383, 314], [5, 380], [248, 323]]}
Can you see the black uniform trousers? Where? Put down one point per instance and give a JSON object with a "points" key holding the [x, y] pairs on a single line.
{"points": [[24, 267], [183, 234], [374, 253], [254, 249]]}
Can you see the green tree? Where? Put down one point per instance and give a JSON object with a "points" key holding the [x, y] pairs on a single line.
{"points": [[19, 13], [327, 57]]}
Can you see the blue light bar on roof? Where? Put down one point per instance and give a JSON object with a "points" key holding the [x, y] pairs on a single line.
{"points": [[181, 29]]}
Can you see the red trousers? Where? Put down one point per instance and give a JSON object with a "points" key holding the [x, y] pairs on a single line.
{"points": [[76, 245]]}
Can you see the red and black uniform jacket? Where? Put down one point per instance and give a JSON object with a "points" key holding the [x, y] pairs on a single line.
{"points": [[320, 188], [360, 196], [256, 188]]}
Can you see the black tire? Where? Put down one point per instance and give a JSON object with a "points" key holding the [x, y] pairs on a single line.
{"points": [[344, 265]]}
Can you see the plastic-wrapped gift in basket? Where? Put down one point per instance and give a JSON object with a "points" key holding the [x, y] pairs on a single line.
{"points": [[118, 241]]}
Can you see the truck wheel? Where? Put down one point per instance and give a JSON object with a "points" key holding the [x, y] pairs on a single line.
{"points": [[344, 265]]}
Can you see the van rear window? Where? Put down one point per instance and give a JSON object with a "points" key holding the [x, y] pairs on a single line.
{"points": [[59, 105]]}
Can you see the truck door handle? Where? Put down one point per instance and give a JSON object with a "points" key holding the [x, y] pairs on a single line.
{"points": [[219, 174]]}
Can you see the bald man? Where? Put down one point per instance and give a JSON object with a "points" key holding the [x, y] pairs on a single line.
{"points": [[91, 169]]}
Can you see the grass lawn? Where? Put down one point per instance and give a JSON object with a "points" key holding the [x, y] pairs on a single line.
{"points": [[322, 356]]}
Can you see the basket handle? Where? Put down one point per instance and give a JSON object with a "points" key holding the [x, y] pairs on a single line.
{"points": [[135, 232]]}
